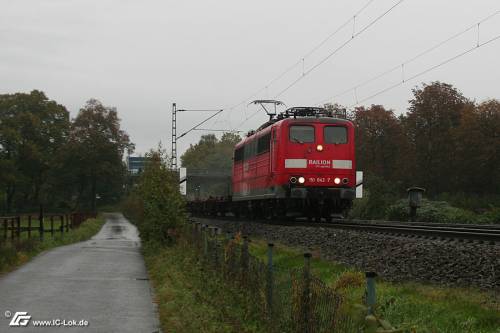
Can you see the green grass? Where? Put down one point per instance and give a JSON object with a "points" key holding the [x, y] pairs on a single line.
{"points": [[192, 300], [412, 306], [14, 254]]}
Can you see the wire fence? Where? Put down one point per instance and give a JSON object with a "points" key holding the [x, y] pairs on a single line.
{"points": [[290, 300]]}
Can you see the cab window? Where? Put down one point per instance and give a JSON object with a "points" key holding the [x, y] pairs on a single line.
{"points": [[301, 133], [250, 150], [238, 154], [335, 134], [263, 143]]}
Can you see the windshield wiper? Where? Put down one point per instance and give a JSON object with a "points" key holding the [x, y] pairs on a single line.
{"points": [[297, 140]]}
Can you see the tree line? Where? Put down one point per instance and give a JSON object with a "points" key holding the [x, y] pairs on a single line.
{"points": [[445, 142], [50, 160]]}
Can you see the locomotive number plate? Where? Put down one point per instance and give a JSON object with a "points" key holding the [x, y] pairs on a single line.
{"points": [[320, 179]]}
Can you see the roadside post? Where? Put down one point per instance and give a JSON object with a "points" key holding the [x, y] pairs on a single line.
{"points": [[244, 260], [371, 297], [205, 240], [269, 285], [306, 294]]}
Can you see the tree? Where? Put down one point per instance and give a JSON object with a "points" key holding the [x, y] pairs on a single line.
{"points": [[478, 150], [211, 153], [379, 142], [434, 114], [32, 130], [93, 156]]}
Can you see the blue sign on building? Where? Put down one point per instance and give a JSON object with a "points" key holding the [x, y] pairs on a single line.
{"points": [[136, 164]]}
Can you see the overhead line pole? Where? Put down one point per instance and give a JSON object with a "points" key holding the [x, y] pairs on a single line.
{"points": [[174, 129], [174, 136]]}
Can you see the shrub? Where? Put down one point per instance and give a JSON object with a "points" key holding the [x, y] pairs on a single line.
{"points": [[470, 201], [349, 279], [378, 195], [8, 255], [491, 216], [431, 211], [155, 204]]}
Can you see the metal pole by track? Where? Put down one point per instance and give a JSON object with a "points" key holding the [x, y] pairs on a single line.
{"points": [[174, 136]]}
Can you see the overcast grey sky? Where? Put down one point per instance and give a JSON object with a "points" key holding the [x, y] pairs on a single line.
{"points": [[141, 56]]}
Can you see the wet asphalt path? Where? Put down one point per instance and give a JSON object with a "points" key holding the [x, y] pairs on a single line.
{"points": [[102, 280]]}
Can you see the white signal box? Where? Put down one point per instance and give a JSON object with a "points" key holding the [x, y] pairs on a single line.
{"points": [[359, 184], [183, 181]]}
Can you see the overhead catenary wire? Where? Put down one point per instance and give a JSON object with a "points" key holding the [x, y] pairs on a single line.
{"points": [[335, 51], [301, 60], [247, 118], [200, 123], [402, 65], [215, 130], [475, 47], [347, 42]]}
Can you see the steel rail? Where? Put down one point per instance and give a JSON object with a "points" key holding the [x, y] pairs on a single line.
{"points": [[478, 234], [429, 224], [463, 232]]}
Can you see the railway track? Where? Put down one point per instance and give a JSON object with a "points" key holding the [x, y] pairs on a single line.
{"points": [[485, 234], [489, 234]]}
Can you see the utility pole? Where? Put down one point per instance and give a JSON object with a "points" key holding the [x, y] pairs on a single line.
{"points": [[174, 136]]}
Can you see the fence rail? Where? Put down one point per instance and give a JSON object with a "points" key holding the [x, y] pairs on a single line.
{"points": [[13, 227], [292, 300]]}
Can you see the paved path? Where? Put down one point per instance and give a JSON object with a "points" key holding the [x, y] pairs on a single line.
{"points": [[102, 280]]}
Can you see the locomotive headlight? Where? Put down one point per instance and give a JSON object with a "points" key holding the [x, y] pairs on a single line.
{"points": [[336, 180], [302, 180], [293, 180], [319, 147]]}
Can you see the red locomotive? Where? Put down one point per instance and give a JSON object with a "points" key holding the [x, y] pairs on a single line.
{"points": [[302, 161], [299, 163]]}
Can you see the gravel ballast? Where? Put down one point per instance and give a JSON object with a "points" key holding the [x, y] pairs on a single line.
{"points": [[395, 258]]}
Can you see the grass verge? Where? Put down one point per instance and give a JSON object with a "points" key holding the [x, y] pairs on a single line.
{"points": [[14, 254], [413, 307], [193, 300]]}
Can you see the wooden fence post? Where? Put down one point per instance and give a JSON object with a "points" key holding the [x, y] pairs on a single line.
{"points": [[41, 228], [12, 228], [5, 227], [52, 226], [61, 227], [29, 226], [18, 231]]}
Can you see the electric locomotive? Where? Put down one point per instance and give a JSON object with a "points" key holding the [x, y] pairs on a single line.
{"points": [[299, 163]]}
